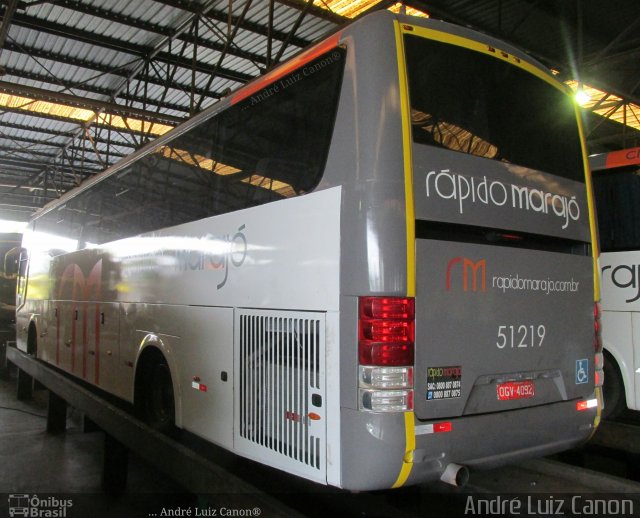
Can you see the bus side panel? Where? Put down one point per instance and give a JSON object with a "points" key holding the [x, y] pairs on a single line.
{"points": [[620, 291], [635, 323], [620, 287], [366, 158], [618, 340], [279, 255], [206, 374]]}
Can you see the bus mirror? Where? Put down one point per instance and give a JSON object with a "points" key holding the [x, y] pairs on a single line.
{"points": [[12, 261]]}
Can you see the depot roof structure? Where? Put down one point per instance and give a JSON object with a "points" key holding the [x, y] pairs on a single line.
{"points": [[84, 83]]}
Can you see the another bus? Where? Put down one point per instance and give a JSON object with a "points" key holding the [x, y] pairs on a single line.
{"points": [[616, 179], [371, 267], [9, 253]]}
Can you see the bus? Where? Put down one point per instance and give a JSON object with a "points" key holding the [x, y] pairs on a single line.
{"points": [[9, 252], [616, 182], [371, 267]]}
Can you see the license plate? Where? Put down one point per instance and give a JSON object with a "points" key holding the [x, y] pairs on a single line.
{"points": [[516, 390]]}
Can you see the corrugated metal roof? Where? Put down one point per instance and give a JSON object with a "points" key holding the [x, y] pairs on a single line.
{"points": [[140, 56]]}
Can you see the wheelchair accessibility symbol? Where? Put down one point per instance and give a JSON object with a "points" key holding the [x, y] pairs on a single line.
{"points": [[582, 371]]}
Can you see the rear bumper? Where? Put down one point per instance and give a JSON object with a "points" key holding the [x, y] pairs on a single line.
{"points": [[374, 445]]}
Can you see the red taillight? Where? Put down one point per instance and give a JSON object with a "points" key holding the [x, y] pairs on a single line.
{"points": [[387, 308], [386, 331], [445, 426], [597, 328], [586, 404]]}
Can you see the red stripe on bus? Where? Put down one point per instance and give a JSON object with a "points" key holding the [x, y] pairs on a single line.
{"points": [[621, 158], [285, 69], [85, 339], [97, 323]]}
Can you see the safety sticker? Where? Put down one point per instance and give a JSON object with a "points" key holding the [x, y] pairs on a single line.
{"points": [[444, 382], [582, 371]]}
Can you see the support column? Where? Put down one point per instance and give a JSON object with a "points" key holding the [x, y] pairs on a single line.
{"points": [[115, 466], [56, 414]]}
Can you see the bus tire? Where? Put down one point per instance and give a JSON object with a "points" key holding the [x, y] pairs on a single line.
{"points": [[154, 396], [613, 389]]}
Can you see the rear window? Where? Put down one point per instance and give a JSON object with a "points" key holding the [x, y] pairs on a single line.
{"points": [[473, 103]]}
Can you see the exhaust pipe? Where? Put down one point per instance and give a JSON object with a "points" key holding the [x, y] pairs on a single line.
{"points": [[455, 475]]}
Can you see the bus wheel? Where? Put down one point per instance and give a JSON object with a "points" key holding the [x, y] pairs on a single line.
{"points": [[154, 395], [613, 389]]}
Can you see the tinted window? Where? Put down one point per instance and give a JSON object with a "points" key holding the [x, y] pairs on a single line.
{"points": [[617, 196], [474, 103], [271, 146]]}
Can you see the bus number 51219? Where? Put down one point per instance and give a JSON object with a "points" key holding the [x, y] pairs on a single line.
{"points": [[520, 336]]}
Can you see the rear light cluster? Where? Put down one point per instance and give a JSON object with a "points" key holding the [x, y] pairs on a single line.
{"points": [[597, 327], [597, 344], [386, 336], [586, 404]]}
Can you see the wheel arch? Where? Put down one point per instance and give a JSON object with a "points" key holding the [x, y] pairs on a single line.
{"points": [[155, 348], [619, 360]]}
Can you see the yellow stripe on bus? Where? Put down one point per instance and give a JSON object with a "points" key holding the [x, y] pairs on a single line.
{"points": [[460, 41], [410, 446], [409, 421], [407, 165]]}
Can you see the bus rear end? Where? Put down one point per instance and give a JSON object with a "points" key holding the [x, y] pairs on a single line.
{"points": [[492, 354], [504, 301]]}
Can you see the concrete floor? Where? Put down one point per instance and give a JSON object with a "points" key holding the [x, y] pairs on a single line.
{"points": [[68, 466]]}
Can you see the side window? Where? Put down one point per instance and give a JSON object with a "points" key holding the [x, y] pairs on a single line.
{"points": [[270, 146], [58, 231]]}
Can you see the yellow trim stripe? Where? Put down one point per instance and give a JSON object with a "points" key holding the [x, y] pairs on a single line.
{"points": [[495, 52], [591, 206], [595, 248], [409, 419], [408, 165], [407, 461]]}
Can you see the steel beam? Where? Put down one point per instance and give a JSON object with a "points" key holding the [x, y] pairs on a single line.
{"points": [[194, 472]]}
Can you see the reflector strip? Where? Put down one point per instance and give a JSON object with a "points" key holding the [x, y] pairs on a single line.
{"points": [[198, 386], [587, 404], [446, 426]]}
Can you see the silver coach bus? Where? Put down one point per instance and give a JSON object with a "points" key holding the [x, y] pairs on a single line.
{"points": [[371, 267], [616, 180]]}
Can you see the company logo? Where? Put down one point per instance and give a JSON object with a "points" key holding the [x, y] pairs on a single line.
{"points": [[471, 190], [225, 250], [34, 506], [474, 274], [212, 253], [74, 285], [625, 276], [474, 279]]}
